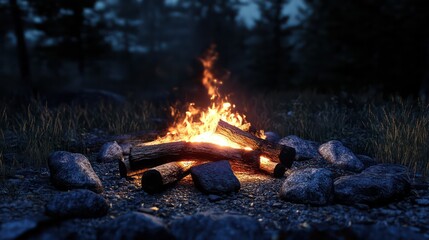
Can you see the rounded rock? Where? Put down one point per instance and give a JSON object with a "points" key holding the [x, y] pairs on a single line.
{"points": [[135, 225], [73, 171], [304, 149], [308, 186], [110, 152], [217, 226], [79, 203], [340, 156]]}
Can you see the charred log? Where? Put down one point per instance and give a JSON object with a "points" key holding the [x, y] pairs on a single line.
{"points": [[125, 169], [274, 169], [158, 178], [148, 156], [276, 152]]}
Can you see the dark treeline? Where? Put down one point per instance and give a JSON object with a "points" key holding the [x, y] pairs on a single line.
{"points": [[154, 45]]}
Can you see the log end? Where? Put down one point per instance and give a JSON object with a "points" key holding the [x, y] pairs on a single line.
{"points": [[152, 181], [287, 156], [279, 171], [123, 168]]}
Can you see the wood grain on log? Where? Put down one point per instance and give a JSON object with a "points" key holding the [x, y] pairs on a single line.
{"points": [[158, 178], [274, 169], [153, 155], [275, 152]]}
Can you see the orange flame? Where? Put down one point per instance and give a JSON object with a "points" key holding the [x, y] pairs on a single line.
{"points": [[199, 125]]}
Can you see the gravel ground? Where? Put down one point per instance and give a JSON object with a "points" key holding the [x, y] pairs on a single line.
{"points": [[26, 193]]}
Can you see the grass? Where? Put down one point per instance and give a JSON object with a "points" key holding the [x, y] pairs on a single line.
{"points": [[400, 134], [392, 131], [34, 130]]}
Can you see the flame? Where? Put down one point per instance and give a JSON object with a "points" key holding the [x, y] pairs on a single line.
{"points": [[199, 124]]}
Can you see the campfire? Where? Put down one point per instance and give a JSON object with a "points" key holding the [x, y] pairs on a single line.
{"points": [[214, 133]]}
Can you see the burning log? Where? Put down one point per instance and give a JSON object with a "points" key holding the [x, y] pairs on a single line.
{"points": [[158, 178], [148, 156], [274, 169], [276, 152]]}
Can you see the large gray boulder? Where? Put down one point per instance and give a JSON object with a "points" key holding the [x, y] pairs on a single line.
{"points": [[110, 152], [389, 169], [217, 226], [215, 178], [340, 156], [355, 232], [308, 186], [80, 203], [304, 149], [73, 171], [134, 225], [377, 184], [16, 229]]}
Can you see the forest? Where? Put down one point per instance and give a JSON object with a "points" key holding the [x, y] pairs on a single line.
{"points": [[214, 119], [151, 46]]}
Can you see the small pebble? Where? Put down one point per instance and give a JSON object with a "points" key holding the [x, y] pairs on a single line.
{"points": [[214, 198], [151, 210], [277, 205], [361, 206], [422, 201]]}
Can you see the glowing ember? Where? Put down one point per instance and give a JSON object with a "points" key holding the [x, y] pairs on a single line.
{"points": [[199, 124]]}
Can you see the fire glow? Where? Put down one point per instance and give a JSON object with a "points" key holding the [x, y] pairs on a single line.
{"points": [[215, 133], [199, 124]]}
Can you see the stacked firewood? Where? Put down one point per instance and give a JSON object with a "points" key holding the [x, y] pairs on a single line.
{"points": [[165, 163]]}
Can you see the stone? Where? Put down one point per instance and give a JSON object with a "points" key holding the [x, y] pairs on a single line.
{"points": [[368, 232], [389, 169], [340, 156], [377, 184], [308, 186], [126, 148], [110, 152], [376, 232], [214, 198], [272, 137], [134, 225], [217, 226], [422, 201], [304, 149], [366, 160], [215, 178], [151, 210], [36, 227], [80, 203], [15, 229], [73, 171], [419, 183]]}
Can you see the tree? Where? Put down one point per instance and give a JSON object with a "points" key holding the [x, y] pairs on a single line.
{"points": [[271, 47], [359, 43], [126, 25], [21, 45], [70, 32]]}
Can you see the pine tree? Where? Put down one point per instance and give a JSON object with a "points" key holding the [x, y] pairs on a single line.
{"points": [[272, 66], [360, 43], [70, 31]]}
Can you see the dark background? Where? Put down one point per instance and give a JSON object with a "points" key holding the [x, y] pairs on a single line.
{"points": [[151, 47]]}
